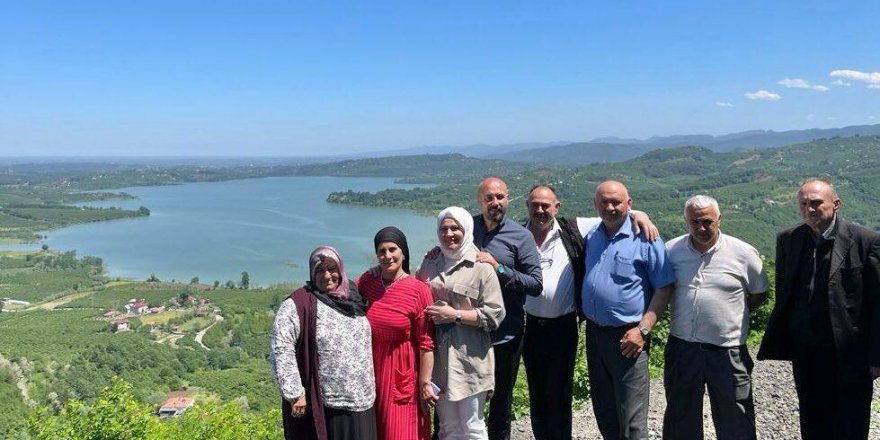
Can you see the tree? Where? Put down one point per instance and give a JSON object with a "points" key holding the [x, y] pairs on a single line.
{"points": [[45, 247], [194, 280], [230, 284], [153, 278], [216, 284], [245, 280]]}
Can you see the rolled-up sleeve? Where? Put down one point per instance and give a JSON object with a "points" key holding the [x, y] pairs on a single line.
{"points": [[282, 357]]}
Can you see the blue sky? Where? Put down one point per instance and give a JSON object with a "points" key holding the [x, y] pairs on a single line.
{"points": [[317, 78]]}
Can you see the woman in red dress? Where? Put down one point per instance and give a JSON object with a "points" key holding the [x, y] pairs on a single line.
{"points": [[403, 341]]}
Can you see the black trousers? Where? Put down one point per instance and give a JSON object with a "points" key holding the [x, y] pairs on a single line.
{"points": [[831, 407], [619, 385], [691, 367], [549, 353], [341, 424], [507, 358]]}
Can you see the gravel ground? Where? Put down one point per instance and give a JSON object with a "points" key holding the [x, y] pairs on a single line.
{"points": [[775, 408]]}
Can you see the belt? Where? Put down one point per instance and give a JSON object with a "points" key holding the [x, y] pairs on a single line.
{"points": [[537, 320], [705, 346], [629, 325]]}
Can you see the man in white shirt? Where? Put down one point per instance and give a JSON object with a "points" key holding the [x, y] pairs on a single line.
{"points": [[719, 281], [551, 335]]}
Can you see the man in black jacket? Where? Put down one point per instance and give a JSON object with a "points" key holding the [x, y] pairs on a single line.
{"points": [[827, 315]]}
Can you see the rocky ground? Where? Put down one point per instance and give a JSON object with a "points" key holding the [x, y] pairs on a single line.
{"points": [[775, 409]]}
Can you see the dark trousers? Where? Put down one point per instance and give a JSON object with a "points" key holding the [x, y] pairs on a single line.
{"points": [[549, 352], [690, 368], [619, 384], [507, 358], [830, 406], [341, 424]]}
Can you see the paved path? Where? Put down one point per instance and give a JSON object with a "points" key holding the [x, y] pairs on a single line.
{"points": [[201, 334]]}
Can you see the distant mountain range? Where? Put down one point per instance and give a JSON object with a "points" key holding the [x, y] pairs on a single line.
{"points": [[613, 149], [746, 139]]}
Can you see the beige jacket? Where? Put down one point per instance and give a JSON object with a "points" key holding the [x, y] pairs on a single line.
{"points": [[464, 363]]}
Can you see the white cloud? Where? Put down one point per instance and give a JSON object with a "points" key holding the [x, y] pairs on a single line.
{"points": [[872, 117], [723, 104], [798, 83], [831, 118], [872, 78], [840, 82], [763, 95], [811, 117]]}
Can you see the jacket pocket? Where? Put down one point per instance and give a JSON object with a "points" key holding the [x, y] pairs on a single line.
{"points": [[466, 291]]}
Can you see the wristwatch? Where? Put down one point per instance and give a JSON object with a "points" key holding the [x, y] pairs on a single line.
{"points": [[458, 318], [500, 268], [644, 331]]}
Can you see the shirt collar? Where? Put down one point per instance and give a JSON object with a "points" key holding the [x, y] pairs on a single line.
{"points": [[831, 231], [710, 250], [470, 256], [480, 222], [625, 229]]}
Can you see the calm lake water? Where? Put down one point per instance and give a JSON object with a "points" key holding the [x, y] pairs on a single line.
{"points": [[266, 227]]}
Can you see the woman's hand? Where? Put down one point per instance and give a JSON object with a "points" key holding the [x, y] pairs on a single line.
{"points": [[298, 408], [441, 314], [427, 396]]}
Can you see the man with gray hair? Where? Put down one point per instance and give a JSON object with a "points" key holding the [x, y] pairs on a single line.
{"points": [[826, 319], [719, 279]]}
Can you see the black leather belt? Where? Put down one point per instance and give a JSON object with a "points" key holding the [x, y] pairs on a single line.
{"points": [[532, 319]]}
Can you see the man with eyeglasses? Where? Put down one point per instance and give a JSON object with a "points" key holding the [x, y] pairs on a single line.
{"points": [[719, 280]]}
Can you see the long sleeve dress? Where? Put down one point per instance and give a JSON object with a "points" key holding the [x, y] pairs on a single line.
{"points": [[400, 332]]}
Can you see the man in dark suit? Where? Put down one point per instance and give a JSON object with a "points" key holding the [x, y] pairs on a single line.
{"points": [[827, 315]]}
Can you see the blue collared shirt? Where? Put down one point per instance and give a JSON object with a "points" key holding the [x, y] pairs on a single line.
{"points": [[513, 246], [622, 274]]}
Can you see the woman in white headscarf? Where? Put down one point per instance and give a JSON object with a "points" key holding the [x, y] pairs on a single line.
{"points": [[468, 305]]}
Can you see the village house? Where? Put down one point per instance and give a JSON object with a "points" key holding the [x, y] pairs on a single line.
{"points": [[121, 325], [175, 404], [137, 307]]}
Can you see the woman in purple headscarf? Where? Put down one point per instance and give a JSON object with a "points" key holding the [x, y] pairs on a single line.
{"points": [[321, 356]]}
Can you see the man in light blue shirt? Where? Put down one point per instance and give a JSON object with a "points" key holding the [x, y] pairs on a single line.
{"points": [[625, 290]]}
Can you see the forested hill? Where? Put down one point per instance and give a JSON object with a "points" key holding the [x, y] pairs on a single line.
{"points": [[617, 149], [424, 167], [756, 188]]}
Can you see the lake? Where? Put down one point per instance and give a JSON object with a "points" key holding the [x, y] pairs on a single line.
{"points": [[266, 227]]}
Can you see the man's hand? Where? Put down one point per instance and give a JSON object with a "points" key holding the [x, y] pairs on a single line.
{"points": [[875, 373], [428, 398], [641, 222], [485, 257], [632, 343], [298, 409]]}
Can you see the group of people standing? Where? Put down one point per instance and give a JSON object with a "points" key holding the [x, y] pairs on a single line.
{"points": [[369, 358]]}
